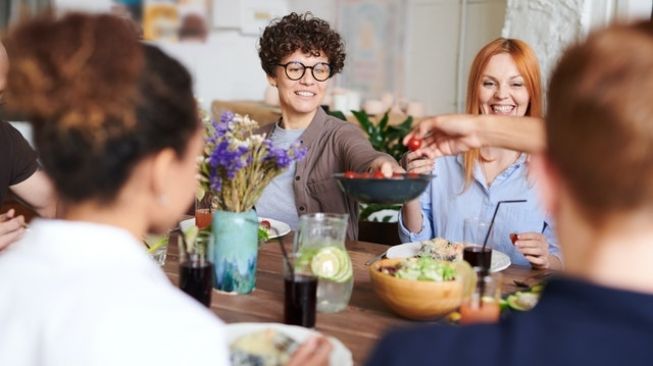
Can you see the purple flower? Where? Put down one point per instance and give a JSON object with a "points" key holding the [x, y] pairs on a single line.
{"points": [[227, 161], [282, 157], [233, 153], [227, 117]]}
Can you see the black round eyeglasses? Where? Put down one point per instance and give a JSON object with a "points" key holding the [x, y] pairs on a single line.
{"points": [[321, 71]]}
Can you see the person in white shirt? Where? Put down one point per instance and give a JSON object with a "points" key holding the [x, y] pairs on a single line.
{"points": [[116, 125]]}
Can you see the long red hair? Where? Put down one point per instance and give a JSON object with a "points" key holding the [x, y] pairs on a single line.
{"points": [[528, 67]]}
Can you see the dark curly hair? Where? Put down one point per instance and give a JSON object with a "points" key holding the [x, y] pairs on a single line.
{"points": [[99, 100], [303, 32]]}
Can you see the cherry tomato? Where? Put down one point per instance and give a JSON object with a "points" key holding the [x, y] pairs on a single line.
{"points": [[513, 238], [350, 175], [266, 224], [414, 143]]}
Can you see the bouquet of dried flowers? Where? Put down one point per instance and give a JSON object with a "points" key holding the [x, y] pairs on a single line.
{"points": [[238, 164]]}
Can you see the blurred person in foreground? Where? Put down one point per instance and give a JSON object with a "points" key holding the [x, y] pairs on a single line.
{"points": [[504, 80], [300, 53], [117, 127], [595, 172], [19, 172]]}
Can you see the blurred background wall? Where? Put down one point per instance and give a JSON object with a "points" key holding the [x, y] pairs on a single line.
{"points": [[417, 50]]}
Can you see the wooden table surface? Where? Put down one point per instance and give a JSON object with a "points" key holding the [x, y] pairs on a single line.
{"points": [[359, 326]]}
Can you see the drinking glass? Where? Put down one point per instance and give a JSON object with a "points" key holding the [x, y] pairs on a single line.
{"points": [[300, 291], [482, 305], [195, 269], [475, 232], [204, 211], [157, 247], [321, 238]]}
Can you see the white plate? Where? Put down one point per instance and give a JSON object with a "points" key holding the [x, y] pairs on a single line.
{"points": [[281, 227], [340, 355], [500, 260]]}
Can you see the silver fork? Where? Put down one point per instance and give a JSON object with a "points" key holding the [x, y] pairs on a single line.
{"points": [[376, 258]]}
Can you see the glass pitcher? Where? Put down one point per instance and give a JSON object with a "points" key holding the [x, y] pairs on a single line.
{"points": [[320, 239]]}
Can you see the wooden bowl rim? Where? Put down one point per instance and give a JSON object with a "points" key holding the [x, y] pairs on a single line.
{"points": [[375, 274]]}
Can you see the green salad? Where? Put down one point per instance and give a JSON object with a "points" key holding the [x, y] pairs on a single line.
{"points": [[425, 269]]}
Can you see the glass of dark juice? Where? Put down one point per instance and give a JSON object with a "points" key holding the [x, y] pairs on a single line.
{"points": [[476, 232], [476, 256], [300, 292], [195, 269]]}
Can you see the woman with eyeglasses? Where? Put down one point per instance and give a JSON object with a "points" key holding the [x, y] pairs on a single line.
{"points": [[300, 53]]}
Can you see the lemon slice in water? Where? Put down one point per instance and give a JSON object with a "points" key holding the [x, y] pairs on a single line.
{"points": [[332, 263]]}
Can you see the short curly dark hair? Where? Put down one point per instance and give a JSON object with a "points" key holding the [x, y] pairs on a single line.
{"points": [[303, 32]]}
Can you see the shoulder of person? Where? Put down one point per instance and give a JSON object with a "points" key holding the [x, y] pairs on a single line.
{"points": [[340, 126], [425, 343], [5, 130]]}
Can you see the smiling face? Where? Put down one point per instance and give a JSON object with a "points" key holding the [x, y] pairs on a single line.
{"points": [[299, 98], [502, 89]]}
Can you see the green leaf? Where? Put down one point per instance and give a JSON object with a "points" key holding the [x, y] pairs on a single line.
{"points": [[338, 114], [407, 123], [384, 120], [364, 120], [374, 207]]}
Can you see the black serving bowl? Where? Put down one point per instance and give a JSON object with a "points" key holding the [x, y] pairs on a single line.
{"points": [[398, 189]]}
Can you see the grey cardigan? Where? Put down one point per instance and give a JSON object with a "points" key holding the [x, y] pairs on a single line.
{"points": [[334, 146]]}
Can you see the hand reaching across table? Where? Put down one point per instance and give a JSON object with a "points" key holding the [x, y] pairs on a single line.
{"points": [[456, 133]]}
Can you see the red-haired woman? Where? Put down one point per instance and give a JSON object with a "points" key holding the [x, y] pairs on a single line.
{"points": [[504, 80]]}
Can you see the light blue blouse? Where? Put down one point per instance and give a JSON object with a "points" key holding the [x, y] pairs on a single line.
{"points": [[446, 204]]}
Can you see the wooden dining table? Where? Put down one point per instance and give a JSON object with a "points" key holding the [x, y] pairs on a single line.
{"points": [[359, 326]]}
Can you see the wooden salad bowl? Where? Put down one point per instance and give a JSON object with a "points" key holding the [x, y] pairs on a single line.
{"points": [[420, 300]]}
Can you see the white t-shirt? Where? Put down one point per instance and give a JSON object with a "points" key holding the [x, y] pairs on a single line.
{"points": [[74, 293]]}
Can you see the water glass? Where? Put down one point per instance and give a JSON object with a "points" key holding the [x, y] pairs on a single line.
{"points": [[300, 291], [321, 237], [475, 232], [195, 269], [157, 247], [204, 211], [482, 305]]}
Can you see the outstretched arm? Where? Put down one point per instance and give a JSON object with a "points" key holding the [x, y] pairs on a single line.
{"points": [[456, 133]]}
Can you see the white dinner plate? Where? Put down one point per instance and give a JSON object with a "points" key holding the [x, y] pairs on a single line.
{"points": [[281, 227], [500, 260], [340, 355]]}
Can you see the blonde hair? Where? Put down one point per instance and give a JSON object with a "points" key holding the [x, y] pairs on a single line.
{"points": [[528, 67]]}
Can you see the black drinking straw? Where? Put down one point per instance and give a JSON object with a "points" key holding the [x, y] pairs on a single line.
{"points": [[484, 271], [489, 230], [285, 254]]}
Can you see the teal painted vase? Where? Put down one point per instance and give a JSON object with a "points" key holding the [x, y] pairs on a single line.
{"points": [[234, 251]]}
